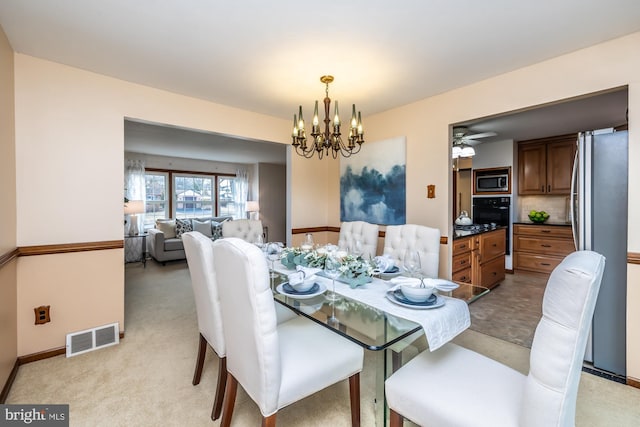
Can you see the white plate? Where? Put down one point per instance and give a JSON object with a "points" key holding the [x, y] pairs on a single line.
{"points": [[439, 302], [322, 288]]}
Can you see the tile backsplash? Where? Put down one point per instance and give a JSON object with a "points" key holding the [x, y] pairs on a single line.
{"points": [[555, 206]]}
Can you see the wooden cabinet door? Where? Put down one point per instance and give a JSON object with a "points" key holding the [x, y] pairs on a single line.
{"points": [[532, 169], [560, 157]]}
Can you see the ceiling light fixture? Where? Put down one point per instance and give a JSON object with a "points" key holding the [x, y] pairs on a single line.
{"points": [[327, 142], [460, 149]]}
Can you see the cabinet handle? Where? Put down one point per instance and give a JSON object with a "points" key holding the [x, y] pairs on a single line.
{"points": [[495, 273], [463, 278], [495, 244], [545, 231], [545, 264], [546, 246]]}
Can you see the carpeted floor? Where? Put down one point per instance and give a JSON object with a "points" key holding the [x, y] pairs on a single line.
{"points": [[146, 379]]}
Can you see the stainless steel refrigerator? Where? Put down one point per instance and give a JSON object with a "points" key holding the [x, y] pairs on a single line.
{"points": [[599, 220]]}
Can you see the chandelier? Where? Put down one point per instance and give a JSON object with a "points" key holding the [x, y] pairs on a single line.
{"points": [[327, 142]]}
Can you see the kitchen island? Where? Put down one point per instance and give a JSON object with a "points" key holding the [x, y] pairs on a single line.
{"points": [[478, 255]]}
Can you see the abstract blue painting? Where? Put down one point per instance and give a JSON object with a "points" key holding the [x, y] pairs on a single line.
{"points": [[373, 183]]}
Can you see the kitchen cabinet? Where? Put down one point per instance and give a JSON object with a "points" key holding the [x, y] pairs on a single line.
{"points": [[479, 258], [461, 264], [540, 248], [545, 165]]}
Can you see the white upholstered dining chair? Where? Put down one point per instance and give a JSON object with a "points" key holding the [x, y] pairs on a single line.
{"points": [[364, 232], [276, 364], [412, 237], [245, 229], [199, 252], [454, 386]]}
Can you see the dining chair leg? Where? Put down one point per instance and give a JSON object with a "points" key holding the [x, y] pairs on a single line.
{"points": [[395, 419], [354, 394], [229, 400], [269, 421], [202, 351], [222, 382]]}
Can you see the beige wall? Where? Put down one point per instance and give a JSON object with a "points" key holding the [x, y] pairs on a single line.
{"points": [[8, 280], [426, 126], [70, 143]]}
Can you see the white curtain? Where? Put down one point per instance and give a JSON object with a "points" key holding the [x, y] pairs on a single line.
{"points": [[241, 193], [135, 189], [134, 180]]}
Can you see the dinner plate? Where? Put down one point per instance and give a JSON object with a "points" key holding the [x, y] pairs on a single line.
{"points": [[394, 272], [303, 295], [396, 297]]}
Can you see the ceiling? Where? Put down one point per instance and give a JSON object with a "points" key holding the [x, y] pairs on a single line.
{"points": [[267, 57]]}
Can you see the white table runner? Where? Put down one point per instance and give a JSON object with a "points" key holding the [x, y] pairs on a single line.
{"points": [[440, 325]]}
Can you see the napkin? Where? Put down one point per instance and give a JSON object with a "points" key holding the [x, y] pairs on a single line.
{"points": [[308, 271]]}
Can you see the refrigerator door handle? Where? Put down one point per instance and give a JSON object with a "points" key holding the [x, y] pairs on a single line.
{"points": [[572, 198]]}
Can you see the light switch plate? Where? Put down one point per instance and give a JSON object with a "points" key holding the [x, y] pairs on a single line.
{"points": [[431, 191]]}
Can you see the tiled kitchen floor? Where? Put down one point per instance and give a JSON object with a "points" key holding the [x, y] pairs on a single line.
{"points": [[511, 311]]}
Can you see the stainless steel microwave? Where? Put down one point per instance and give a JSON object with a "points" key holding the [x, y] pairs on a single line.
{"points": [[498, 183]]}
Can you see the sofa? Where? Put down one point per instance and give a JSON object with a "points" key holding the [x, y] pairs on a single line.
{"points": [[164, 242]]}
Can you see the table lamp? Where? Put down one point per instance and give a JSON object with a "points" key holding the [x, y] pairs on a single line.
{"points": [[133, 208], [252, 208]]}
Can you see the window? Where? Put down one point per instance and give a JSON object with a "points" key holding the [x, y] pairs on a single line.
{"points": [[193, 196], [227, 191], [157, 204]]}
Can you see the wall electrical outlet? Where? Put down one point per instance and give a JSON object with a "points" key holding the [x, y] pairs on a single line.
{"points": [[42, 314]]}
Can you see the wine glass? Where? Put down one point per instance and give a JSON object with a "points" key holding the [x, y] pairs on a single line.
{"points": [[356, 248], [259, 242], [411, 262], [307, 245], [273, 254], [332, 271]]}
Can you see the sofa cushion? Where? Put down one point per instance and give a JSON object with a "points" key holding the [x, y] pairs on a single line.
{"points": [[203, 227], [216, 228], [168, 227], [173, 244], [183, 226]]}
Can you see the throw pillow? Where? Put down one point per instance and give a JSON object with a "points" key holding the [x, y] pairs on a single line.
{"points": [[168, 227], [203, 226], [183, 226], [216, 229]]}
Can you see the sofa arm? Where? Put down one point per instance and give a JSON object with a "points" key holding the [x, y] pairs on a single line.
{"points": [[156, 242]]}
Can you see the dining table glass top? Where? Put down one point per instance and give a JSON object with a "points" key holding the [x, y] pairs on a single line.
{"points": [[359, 321]]}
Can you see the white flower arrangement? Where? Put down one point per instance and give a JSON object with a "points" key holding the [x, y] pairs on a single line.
{"points": [[354, 269]]}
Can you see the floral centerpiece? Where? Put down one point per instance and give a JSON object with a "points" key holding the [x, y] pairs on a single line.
{"points": [[355, 270]]}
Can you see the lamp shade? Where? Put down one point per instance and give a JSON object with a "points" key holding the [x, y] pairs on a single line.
{"points": [[253, 206], [134, 207]]}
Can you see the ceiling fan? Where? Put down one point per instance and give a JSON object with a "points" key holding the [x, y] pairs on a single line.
{"points": [[462, 134], [463, 141]]}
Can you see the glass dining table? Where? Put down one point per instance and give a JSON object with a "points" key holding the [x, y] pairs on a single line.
{"points": [[377, 330]]}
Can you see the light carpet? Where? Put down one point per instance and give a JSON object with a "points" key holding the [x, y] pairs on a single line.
{"points": [[146, 379]]}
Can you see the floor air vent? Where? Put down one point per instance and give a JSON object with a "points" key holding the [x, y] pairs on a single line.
{"points": [[92, 339]]}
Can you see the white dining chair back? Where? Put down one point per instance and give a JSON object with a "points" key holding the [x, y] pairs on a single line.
{"points": [[245, 229], [412, 237], [272, 361], [429, 388], [364, 232], [199, 251]]}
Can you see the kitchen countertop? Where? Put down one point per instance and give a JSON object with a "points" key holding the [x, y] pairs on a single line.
{"points": [[562, 224], [458, 234]]}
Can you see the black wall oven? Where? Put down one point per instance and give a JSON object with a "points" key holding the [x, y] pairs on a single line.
{"points": [[493, 210]]}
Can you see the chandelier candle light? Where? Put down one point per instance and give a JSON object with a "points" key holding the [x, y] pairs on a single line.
{"points": [[327, 142]]}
